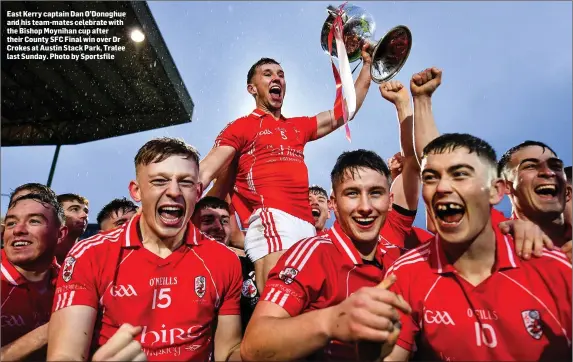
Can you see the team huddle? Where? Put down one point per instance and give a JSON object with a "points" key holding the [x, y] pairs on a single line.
{"points": [[177, 278]]}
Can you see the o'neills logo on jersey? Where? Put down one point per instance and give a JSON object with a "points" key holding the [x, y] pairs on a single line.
{"points": [[68, 268], [200, 286], [161, 281], [532, 321], [438, 317], [9, 320], [287, 275]]}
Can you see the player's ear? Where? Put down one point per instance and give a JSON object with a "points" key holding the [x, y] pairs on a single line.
{"points": [[497, 191], [62, 233], [134, 191], [252, 89]]}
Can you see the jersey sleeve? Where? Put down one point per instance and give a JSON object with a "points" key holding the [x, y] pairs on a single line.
{"points": [[76, 283], [232, 135], [308, 126], [231, 304], [297, 279], [410, 329], [398, 225]]}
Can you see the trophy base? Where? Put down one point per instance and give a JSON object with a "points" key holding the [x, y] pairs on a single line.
{"points": [[390, 54]]}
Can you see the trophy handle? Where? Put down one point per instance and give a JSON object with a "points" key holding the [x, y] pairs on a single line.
{"points": [[390, 54]]}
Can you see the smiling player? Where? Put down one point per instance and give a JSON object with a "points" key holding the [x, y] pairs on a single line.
{"points": [[157, 273], [272, 177], [468, 284]]}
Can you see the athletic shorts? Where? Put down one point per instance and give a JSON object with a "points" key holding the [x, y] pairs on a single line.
{"points": [[271, 230]]}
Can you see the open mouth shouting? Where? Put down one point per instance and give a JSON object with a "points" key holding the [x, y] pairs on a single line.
{"points": [[547, 191], [276, 92], [315, 212], [364, 223], [449, 214], [171, 215]]}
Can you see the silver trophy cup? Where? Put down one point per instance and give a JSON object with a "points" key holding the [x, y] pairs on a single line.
{"points": [[389, 54]]}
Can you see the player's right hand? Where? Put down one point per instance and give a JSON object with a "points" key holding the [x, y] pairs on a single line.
{"points": [[425, 82], [122, 346], [370, 314], [395, 92], [395, 164]]}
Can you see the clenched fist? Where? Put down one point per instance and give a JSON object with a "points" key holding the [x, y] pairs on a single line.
{"points": [[395, 165], [370, 314], [122, 346], [395, 92], [425, 82]]}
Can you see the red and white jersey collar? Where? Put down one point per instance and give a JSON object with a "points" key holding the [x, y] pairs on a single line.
{"points": [[346, 247], [505, 257], [259, 113], [13, 276], [131, 237]]}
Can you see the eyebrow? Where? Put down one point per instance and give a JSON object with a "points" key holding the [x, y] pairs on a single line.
{"points": [[451, 168], [536, 160], [41, 216], [461, 165]]}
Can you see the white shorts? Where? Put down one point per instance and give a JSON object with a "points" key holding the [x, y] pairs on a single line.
{"points": [[271, 230]]}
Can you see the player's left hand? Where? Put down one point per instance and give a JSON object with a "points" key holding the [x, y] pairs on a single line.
{"points": [[366, 57], [567, 249], [529, 238]]}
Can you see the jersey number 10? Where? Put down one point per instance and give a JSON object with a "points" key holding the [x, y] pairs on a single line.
{"points": [[482, 336]]}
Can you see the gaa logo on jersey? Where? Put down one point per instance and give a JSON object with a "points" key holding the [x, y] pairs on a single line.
{"points": [[68, 268], [200, 286], [249, 289], [287, 275], [532, 321]]}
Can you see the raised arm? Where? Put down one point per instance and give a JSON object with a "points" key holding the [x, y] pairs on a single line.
{"points": [[422, 86], [215, 164], [325, 120], [70, 333], [406, 186], [25, 345]]}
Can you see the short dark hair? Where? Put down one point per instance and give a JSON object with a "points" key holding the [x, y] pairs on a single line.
{"points": [[568, 173], [449, 142], [353, 160], [33, 187], [116, 205], [504, 160], [73, 197], [44, 199], [260, 62], [211, 202], [159, 149], [317, 190]]}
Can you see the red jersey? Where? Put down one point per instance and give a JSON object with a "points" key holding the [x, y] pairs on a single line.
{"points": [[176, 300], [271, 171], [393, 234], [521, 312], [25, 305], [319, 272]]}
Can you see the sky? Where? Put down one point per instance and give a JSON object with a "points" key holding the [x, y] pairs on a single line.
{"points": [[506, 78]]}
